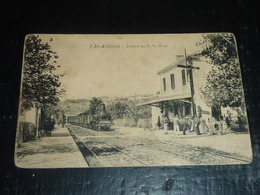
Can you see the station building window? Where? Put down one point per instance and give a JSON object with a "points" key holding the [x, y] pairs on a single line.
{"points": [[164, 84], [172, 81], [183, 77]]}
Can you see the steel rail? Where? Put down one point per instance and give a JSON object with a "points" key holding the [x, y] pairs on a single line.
{"points": [[114, 148], [208, 152], [108, 145], [87, 148], [125, 153]]}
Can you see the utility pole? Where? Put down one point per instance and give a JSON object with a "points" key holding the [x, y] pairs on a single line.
{"points": [[189, 67], [193, 106]]}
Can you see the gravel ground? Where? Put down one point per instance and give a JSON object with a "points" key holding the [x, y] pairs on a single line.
{"points": [[124, 146]]}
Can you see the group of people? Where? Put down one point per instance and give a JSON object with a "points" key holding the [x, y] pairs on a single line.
{"points": [[218, 127], [183, 124], [194, 124]]}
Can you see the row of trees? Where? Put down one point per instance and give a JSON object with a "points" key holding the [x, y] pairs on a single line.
{"points": [[119, 108], [41, 86]]}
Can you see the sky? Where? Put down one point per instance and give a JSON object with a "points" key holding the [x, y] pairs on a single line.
{"points": [[128, 66]]}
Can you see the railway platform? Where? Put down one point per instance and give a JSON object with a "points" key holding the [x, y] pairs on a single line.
{"points": [[56, 151]]}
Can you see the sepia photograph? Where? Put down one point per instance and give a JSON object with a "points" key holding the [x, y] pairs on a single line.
{"points": [[131, 100]]}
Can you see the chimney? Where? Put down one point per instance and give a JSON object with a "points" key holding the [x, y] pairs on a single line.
{"points": [[179, 57]]}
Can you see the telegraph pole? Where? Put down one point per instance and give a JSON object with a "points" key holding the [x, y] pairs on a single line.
{"points": [[189, 67], [193, 106]]}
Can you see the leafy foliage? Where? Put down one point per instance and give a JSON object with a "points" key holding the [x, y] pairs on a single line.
{"points": [[40, 83], [74, 106], [223, 84], [53, 111], [95, 105], [119, 108], [97, 112]]}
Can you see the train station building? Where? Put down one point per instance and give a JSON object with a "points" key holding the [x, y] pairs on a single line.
{"points": [[180, 90]]}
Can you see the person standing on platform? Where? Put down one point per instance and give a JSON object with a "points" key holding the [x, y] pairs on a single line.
{"points": [[165, 126], [158, 124], [196, 124], [176, 124], [228, 123]]}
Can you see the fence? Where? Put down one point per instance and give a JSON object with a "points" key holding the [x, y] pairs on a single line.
{"points": [[129, 122], [27, 131]]}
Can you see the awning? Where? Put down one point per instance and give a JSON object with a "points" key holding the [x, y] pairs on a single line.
{"points": [[157, 101]]}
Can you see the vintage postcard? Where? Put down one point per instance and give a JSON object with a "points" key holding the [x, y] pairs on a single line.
{"points": [[130, 101]]}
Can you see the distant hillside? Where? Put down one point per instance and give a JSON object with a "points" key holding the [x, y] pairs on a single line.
{"points": [[74, 106]]}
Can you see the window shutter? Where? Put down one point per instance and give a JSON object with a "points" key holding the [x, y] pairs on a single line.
{"points": [[183, 77], [164, 84], [172, 81]]}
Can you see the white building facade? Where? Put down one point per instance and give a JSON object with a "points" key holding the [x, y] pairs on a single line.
{"points": [[180, 91]]}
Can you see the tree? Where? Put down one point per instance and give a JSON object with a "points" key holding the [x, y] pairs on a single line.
{"points": [[132, 110], [52, 111], [144, 111], [120, 108], [95, 106], [117, 109], [223, 83], [40, 84], [98, 112]]}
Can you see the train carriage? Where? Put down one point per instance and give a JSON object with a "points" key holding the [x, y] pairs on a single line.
{"points": [[99, 121]]}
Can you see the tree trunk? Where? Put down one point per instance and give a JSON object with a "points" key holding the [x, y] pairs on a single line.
{"points": [[242, 119]]}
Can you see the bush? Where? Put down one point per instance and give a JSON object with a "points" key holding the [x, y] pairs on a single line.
{"points": [[48, 124]]}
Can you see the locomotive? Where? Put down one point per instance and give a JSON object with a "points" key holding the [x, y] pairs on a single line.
{"points": [[98, 121]]}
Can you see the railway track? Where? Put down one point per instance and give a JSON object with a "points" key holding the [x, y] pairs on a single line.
{"points": [[196, 155], [145, 151], [193, 149], [89, 151]]}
